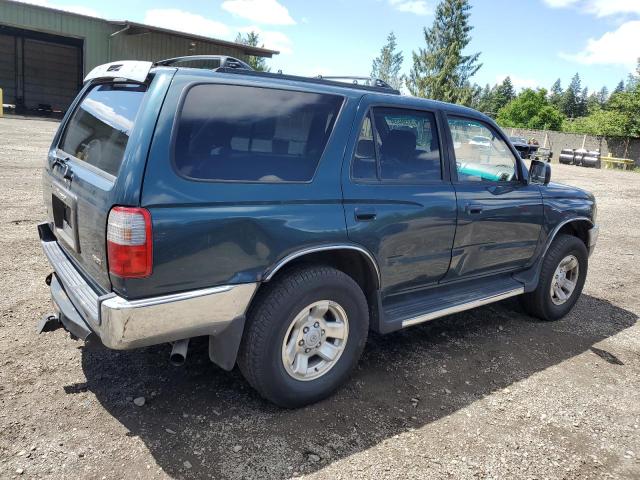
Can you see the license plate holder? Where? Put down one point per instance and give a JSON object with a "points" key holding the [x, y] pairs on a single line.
{"points": [[65, 216]]}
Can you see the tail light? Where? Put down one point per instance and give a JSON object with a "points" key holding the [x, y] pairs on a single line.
{"points": [[129, 242]]}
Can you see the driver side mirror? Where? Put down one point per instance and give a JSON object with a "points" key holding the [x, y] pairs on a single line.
{"points": [[539, 172]]}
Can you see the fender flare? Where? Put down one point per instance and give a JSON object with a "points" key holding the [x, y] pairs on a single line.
{"points": [[271, 271]]}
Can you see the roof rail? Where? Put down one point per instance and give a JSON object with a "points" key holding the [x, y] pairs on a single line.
{"points": [[376, 86], [369, 81], [220, 61]]}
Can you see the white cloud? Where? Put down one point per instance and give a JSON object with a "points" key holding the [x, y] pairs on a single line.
{"points": [[417, 7], [175, 19], [80, 9], [619, 47], [600, 8], [519, 82], [271, 39], [603, 8], [265, 12]]}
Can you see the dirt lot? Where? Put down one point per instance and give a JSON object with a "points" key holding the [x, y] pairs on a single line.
{"points": [[490, 393]]}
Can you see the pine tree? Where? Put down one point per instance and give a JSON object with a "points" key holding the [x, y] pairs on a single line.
{"points": [[485, 100], [592, 103], [387, 66], [555, 95], [440, 70], [570, 103], [503, 94], [582, 108], [253, 39], [619, 88], [603, 96]]}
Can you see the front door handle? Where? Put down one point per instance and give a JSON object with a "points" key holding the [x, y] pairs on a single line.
{"points": [[473, 209], [365, 214]]}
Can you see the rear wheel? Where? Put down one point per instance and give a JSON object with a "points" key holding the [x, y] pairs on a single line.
{"points": [[304, 335], [562, 277]]}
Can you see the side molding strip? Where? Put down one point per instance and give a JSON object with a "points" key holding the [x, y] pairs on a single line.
{"points": [[462, 307], [323, 248]]}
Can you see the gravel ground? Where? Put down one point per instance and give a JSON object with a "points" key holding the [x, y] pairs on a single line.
{"points": [[491, 393]]}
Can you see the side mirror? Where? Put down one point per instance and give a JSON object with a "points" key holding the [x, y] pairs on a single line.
{"points": [[539, 172]]}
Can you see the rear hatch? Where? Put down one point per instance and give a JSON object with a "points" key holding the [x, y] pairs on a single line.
{"points": [[83, 177]]}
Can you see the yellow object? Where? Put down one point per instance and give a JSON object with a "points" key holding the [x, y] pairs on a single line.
{"points": [[610, 162]]}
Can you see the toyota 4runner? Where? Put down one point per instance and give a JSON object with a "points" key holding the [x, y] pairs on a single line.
{"points": [[284, 217]]}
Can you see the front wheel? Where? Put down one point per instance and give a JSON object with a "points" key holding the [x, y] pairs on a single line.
{"points": [[304, 335], [563, 273]]}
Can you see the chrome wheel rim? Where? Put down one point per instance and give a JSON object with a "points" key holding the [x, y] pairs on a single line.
{"points": [[315, 340], [564, 280]]}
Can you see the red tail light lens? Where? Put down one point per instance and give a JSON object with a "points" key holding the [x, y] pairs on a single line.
{"points": [[129, 242]]}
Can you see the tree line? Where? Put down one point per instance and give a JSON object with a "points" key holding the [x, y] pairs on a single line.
{"points": [[442, 71]]}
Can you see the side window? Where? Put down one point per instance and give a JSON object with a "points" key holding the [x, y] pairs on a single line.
{"points": [[364, 161], [398, 144], [480, 154], [238, 133]]}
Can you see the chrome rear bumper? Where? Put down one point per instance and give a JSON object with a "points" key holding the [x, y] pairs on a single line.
{"points": [[123, 324]]}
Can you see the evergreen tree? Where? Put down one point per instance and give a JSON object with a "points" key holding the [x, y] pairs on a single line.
{"points": [[485, 100], [582, 109], [440, 70], [570, 103], [253, 39], [603, 96], [631, 84], [503, 94], [555, 96], [387, 66], [619, 88], [593, 103]]}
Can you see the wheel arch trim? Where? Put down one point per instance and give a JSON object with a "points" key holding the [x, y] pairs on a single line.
{"points": [[271, 271], [558, 227]]}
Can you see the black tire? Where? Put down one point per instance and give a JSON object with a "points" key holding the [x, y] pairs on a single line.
{"points": [[273, 310], [539, 303]]}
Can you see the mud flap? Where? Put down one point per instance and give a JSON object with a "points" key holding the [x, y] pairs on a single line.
{"points": [[49, 323], [223, 348]]}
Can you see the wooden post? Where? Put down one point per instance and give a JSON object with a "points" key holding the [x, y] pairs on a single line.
{"points": [[584, 141]]}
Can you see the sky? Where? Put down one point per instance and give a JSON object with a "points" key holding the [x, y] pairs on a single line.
{"points": [[534, 42]]}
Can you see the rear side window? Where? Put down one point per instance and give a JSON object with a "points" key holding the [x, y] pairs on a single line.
{"points": [[399, 145], [237, 133], [99, 129]]}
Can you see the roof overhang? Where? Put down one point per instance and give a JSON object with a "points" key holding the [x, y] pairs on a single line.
{"points": [[133, 28]]}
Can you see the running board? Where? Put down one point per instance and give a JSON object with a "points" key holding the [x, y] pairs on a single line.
{"points": [[462, 307]]}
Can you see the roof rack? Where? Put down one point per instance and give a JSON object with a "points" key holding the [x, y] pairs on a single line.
{"points": [[375, 85], [226, 64], [223, 61]]}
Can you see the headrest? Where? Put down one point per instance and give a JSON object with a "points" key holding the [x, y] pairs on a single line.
{"points": [[365, 149], [399, 143]]}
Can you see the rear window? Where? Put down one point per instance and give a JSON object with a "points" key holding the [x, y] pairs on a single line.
{"points": [[99, 128], [237, 133]]}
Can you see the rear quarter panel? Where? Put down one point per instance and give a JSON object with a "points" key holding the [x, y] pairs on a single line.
{"points": [[212, 233]]}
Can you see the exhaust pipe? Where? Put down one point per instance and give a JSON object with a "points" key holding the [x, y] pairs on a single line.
{"points": [[179, 352]]}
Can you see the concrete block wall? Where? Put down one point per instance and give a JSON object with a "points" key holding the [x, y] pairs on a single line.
{"points": [[560, 140]]}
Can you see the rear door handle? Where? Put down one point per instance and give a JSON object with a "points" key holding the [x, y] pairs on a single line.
{"points": [[473, 209], [365, 214]]}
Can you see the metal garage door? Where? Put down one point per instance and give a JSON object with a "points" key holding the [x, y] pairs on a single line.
{"points": [[8, 68], [39, 71], [51, 72]]}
